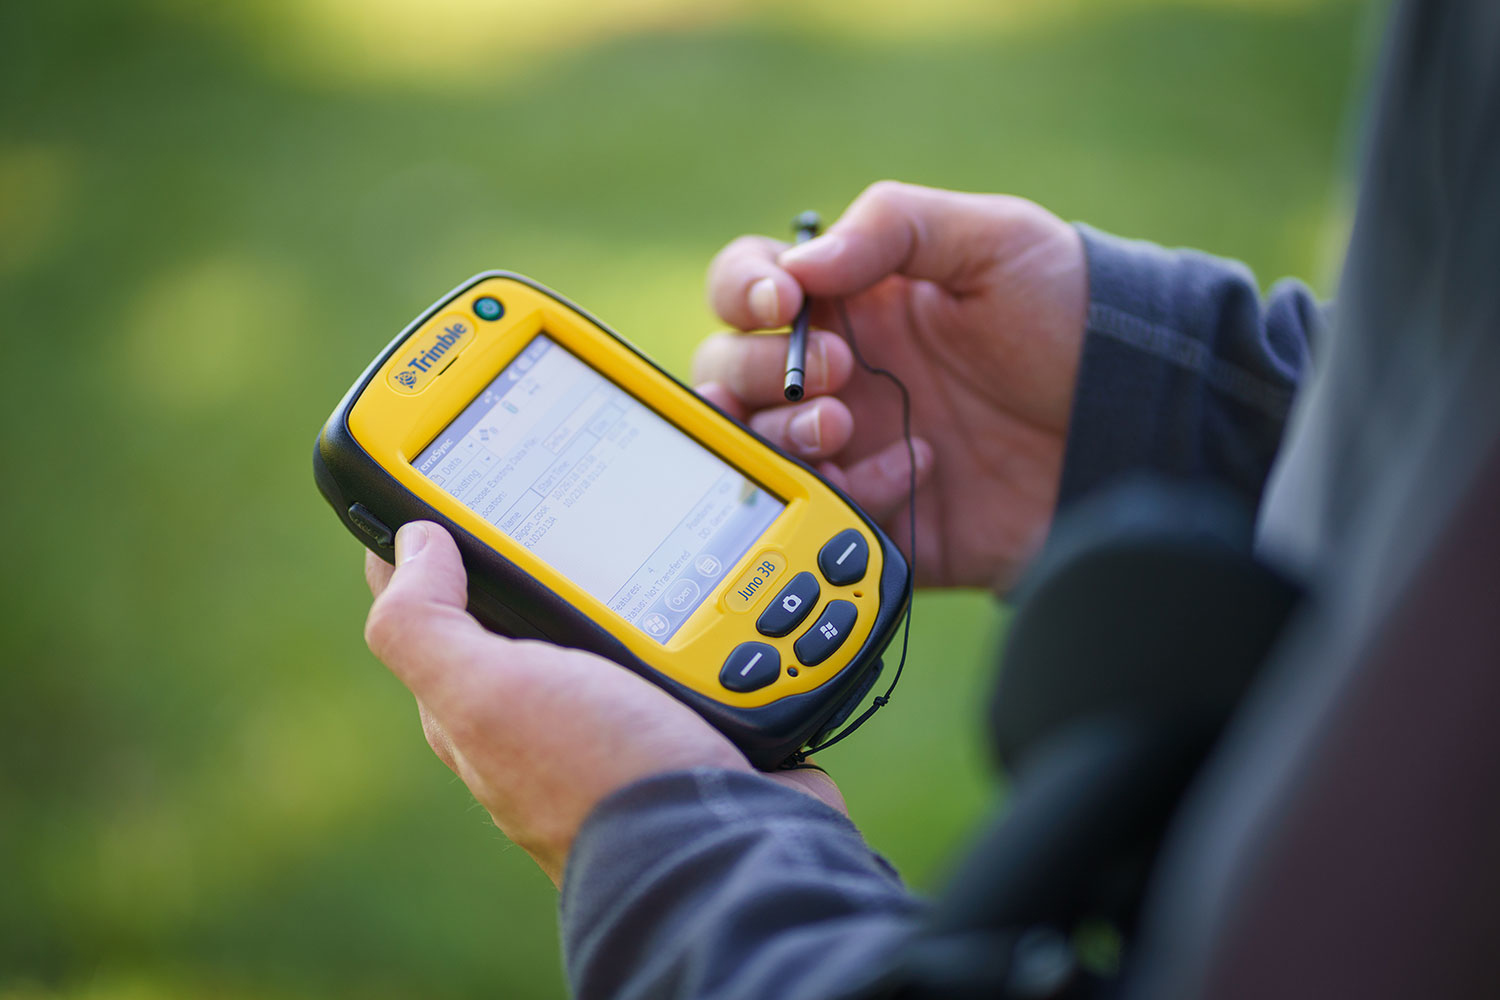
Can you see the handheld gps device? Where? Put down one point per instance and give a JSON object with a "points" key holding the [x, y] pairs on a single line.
{"points": [[601, 504]]}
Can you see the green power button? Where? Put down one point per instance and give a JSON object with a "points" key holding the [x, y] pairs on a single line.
{"points": [[488, 308]]}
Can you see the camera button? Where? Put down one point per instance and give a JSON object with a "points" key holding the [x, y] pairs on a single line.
{"points": [[789, 607]]}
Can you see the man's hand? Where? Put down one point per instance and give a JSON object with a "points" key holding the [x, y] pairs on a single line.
{"points": [[977, 302], [539, 733]]}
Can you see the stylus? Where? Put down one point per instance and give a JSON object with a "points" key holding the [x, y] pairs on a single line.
{"points": [[806, 225]]}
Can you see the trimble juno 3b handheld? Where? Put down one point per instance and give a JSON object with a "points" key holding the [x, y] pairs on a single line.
{"points": [[600, 504]]}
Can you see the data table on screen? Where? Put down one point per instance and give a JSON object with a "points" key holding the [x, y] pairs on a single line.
{"points": [[596, 484]]}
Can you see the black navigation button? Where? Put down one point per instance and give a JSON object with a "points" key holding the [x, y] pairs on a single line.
{"points": [[752, 665], [827, 634], [788, 608], [843, 558], [379, 532]]}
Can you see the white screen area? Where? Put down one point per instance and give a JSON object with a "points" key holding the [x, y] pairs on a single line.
{"points": [[598, 486]]}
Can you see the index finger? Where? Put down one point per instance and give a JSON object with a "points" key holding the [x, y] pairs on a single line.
{"points": [[753, 368], [748, 289], [377, 573]]}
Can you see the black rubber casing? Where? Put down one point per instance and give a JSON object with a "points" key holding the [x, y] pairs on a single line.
{"points": [[511, 602]]}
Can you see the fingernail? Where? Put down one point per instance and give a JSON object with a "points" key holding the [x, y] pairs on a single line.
{"points": [[814, 251], [410, 540], [806, 431], [764, 302]]}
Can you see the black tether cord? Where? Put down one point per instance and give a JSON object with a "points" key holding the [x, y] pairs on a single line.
{"points": [[880, 701]]}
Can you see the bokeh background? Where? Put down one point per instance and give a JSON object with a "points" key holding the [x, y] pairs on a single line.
{"points": [[211, 217]]}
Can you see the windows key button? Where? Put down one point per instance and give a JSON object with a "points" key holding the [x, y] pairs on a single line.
{"points": [[827, 633]]}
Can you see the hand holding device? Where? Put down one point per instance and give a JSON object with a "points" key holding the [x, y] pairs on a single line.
{"points": [[978, 301], [539, 733]]}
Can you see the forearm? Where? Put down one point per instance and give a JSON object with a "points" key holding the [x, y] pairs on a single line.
{"points": [[715, 885], [1186, 372]]}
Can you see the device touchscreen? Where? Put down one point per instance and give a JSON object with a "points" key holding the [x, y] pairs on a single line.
{"points": [[600, 487]]}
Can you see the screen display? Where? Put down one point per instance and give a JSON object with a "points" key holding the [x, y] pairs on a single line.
{"points": [[598, 486]]}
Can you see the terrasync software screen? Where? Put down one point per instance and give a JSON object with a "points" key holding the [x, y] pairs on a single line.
{"points": [[598, 486]]}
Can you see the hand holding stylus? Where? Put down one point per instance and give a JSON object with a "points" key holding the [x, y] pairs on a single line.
{"points": [[978, 303]]}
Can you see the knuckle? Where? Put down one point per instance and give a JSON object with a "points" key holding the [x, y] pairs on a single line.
{"points": [[890, 210], [728, 268], [885, 194], [768, 424], [707, 364], [386, 626], [745, 246]]}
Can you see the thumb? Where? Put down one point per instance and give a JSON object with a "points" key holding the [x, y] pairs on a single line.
{"points": [[947, 237], [418, 626]]}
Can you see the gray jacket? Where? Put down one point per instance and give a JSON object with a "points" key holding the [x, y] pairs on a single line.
{"points": [[1345, 838]]}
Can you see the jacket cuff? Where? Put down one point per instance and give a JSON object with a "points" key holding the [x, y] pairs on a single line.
{"points": [[692, 873], [1184, 373]]}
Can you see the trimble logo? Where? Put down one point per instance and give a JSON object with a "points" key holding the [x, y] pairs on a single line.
{"points": [[451, 335], [430, 353]]}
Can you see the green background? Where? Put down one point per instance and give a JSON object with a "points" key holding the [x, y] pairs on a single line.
{"points": [[211, 217]]}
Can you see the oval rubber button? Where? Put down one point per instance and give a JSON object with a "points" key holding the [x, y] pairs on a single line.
{"points": [[794, 603], [750, 667], [843, 558], [827, 634]]}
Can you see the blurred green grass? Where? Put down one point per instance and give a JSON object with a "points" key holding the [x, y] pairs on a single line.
{"points": [[210, 221]]}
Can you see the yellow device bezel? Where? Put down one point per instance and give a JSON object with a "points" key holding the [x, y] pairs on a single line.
{"points": [[394, 423]]}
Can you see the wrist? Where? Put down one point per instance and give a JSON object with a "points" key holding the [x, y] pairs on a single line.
{"points": [[549, 835]]}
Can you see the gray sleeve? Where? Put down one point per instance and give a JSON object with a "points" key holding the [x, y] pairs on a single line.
{"points": [[714, 885], [1186, 372]]}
